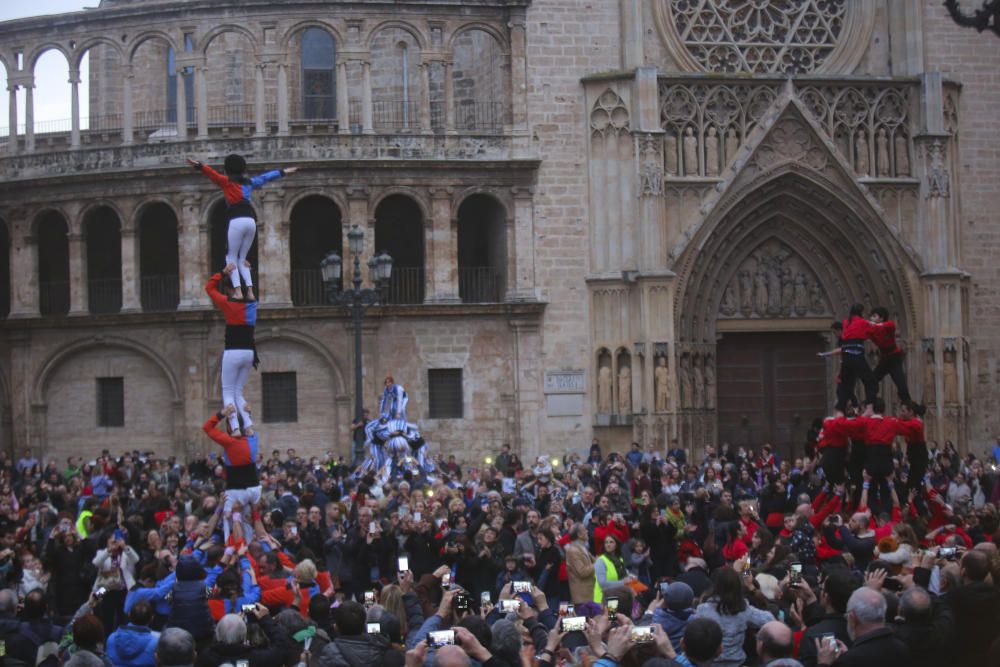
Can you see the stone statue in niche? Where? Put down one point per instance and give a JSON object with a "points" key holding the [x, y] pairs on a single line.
{"points": [[712, 152], [732, 145], [801, 295], [950, 372], [661, 385], [690, 153], [882, 167], [729, 307], [685, 378], [817, 300], [902, 155], [624, 391], [760, 293], [604, 390], [773, 288], [787, 291], [861, 154], [746, 293], [670, 154], [929, 389], [709, 382], [698, 380]]}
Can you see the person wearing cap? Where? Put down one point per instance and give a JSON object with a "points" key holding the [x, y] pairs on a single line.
{"points": [[237, 188], [675, 611]]}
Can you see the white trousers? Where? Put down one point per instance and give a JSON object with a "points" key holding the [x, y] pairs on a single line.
{"points": [[236, 365], [241, 234], [246, 498]]}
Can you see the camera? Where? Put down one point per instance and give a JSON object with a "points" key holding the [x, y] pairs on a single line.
{"points": [[100, 592], [369, 598], [507, 606], [462, 601], [948, 552], [573, 623], [642, 634], [612, 606], [374, 628], [439, 638], [522, 586], [795, 574], [248, 609]]}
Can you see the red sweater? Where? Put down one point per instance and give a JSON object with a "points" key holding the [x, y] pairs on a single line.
{"points": [[610, 528], [875, 430], [884, 337], [856, 328], [911, 429], [835, 433]]}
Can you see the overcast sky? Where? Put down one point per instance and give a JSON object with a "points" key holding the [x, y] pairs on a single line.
{"points": [[51, 75]]}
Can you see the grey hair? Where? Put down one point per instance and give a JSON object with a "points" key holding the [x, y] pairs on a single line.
{"points": [[291, 621], [506, 640], [175, 647], [8, 601], [915, 604], [868, 606], [579, 530], [231, 630]]}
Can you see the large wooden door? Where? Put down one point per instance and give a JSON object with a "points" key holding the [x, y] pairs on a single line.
{"points": [[770, 388]]}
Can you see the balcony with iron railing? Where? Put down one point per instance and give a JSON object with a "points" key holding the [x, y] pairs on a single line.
{"points": [[53, 297], [480, 284], [159, 293], [104, 296]]}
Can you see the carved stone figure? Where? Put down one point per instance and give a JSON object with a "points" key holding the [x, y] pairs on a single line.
{"points": [[760, 293], [690, 153], [712, 152], [929, 389], [746, 293], [950, 372], [709, 382], [670, 154], [861, 154], [902, 155], [732, 145], [801, 295], [604, 390], [624, 391], [787, 292], [729, 307], [882, 166], [816, 299], [685, 378], [699, 383], [661, 385], [773, 289]]}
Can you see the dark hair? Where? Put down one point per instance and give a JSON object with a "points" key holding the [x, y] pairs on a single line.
{"points": [[766, 541], [702, 639], [88, 632], [727, 592], [479, 629], [141, 613], [976, 565], [235, 164], [919, 409], [839, 586], [878, 404], [882, 312], [350, 619], [34, 605], [857, 310]]}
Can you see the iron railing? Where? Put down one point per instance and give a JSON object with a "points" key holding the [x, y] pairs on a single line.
{"points": [[159, 293], [405, 286], [53, 297], [479, 116], [480, 284], [308, 288], [395, 115], [104, 295]]}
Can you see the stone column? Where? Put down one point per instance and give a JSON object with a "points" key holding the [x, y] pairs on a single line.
{"points": [[366, 98], [527, 389], [632, 34], [22, 375], [259, 108], [29, 115], [449, 99], [201, 94], [282, 98], [194, 383], [518, 72], [442, 250], [74, 103], [520, 248], [181, 103], [425, 97], [24, 263], [127, 119], [272, 252], [343, 99], [12, 117], [78, 292], [131, 303], [194, 270]]}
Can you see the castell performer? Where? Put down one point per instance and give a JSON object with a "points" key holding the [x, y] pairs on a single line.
{"points": [[240, 352], [239, 456], [890, 356], [237, 188], [394, 400], [853, 365], [832, 446], [910, 425]]}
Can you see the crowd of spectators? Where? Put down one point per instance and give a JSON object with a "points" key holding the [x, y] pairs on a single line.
{"points": [[650, 557]]}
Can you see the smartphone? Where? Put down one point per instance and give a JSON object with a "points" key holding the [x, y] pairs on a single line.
{"points": [[829, 640], [416, 516], [462, 602], [563, 608], [404, 564], [642, 634], [119, 534], [446, 580], [242, 663], [374, 628], [248, 608], [522, 586], [947, 552], [573, 624], [372, 527], [611, 604], [100, 592], [294, 530], [439, 638], [795, 574], [664, 585], [507, 606], [369, 598], [571, 609]]}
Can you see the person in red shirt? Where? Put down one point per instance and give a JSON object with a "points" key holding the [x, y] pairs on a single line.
{"points": [[853, 365], [911, 427], [890, 355], [832, 446], [877, 432]]}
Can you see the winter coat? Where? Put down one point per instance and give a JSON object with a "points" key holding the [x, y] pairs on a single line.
{"points": [[274, 654], [673, 623], [580, 568], [359, 651], [132, 646]]}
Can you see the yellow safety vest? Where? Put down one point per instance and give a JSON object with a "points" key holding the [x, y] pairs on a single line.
{"points": [[611, 574]]}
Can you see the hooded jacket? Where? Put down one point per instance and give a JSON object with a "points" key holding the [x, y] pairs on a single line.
{"points": [[673, 622], [189, 603], [132, 646]]}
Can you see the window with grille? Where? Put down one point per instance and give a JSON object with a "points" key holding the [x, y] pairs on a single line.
{"points": [[280, 397], [445, 386], [111, 401]]}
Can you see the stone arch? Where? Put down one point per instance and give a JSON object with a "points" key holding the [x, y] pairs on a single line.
{"points": [[32, 59], [417, 35], [479, 25], [91, 42], [295, 29], [37, 216], [503, 201], [140, 210], [313, 344], [335, 196], [104, 203], [56, 359], [227, 27], [419, 198], [144, 37]]}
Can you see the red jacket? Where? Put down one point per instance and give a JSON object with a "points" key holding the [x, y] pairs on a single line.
{"points": [[884, 337], [235, 312], [610, 528], [911, 429], [857, 328], [835, 433]]}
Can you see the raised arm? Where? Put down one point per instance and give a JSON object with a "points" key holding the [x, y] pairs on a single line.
{"points": [[219, 179], [262, 179]]}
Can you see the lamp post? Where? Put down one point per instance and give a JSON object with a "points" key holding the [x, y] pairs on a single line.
{"points": [[356, 299], [986, 18]]}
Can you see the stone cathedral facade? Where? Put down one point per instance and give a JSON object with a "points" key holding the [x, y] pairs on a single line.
{"points": [[626, 219]]}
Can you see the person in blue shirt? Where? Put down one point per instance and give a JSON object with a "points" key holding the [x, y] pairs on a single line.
{"points": [[134, 644]]}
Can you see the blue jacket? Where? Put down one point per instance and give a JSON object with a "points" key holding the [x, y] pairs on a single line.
{"points": [[156, 596], [190, 609], [132, 646], [673, 623]]}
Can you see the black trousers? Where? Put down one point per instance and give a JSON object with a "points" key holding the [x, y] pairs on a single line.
{"points": [[893, 367], [854, 367], [916, 454], [834, 461], [879, 465]]}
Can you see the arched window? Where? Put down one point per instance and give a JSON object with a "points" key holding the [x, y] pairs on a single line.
{"points": [[396, 84], [53, 264], [482, 255], [315, 231], [104, 261], [399, 231], [319, 99], [158, 259], [172, 84]]}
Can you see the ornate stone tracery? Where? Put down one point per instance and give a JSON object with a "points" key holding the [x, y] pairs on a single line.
{"points": [[774, 282]]}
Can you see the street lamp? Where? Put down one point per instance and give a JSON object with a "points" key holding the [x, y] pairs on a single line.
{"points": [[986, 18], [356, 299]]}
